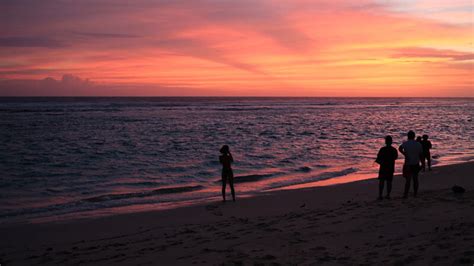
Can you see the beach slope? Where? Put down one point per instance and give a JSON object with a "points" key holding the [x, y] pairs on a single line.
{"points": [[341, 224]]}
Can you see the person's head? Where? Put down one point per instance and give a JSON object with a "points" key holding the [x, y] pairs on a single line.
{"points": [[418, 138], [224, 149], [411, 134], [425, 137], [388, 140]]}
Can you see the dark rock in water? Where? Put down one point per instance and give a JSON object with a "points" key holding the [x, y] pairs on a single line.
{"points": [[305, 169], [458, 189]]}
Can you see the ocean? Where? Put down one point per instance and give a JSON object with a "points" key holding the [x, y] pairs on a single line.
{"points": [[66, 158]]}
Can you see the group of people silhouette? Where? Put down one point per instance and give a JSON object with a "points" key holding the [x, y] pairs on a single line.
{"points": [[414, 151]]}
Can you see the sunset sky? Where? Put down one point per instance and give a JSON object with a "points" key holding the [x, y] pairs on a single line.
{"points": [[237, 47]]}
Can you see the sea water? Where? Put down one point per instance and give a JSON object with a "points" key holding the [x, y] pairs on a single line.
{"points": [[83, 157]]}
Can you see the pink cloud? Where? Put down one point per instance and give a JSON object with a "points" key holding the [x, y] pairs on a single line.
{"points": [[433, 53]]}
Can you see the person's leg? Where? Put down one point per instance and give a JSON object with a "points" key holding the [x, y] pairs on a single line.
{"points": [[423, 165], [407, 186], [224, 181], [415, 183], [428, 158], [389, 188], [381, 183], [231, 183]]}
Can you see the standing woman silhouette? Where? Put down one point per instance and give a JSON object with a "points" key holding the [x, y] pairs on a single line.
{"points": [[227, 175]]}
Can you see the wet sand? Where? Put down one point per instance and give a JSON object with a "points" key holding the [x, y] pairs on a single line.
{"points": [[341, 224]]}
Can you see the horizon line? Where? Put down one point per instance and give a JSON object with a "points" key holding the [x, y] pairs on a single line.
{"points": [[211, 96]]}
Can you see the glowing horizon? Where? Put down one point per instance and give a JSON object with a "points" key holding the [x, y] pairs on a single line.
{"points": [[237, 48]]}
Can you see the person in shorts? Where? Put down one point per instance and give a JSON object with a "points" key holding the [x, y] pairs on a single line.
{"points": [[413, 152], [386, 159]]}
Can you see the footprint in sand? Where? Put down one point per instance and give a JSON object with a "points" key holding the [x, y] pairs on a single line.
{"points": [[188, 231], [244, 220], [444, 246], [268, 257], [217, 213], [464, 260], [211, 207]]}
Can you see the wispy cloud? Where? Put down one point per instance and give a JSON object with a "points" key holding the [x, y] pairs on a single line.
{"points": [[43, 42], [420, 52], [105, 35]]}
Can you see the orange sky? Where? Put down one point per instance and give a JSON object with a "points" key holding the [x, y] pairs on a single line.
{"points": [[237, 48]]}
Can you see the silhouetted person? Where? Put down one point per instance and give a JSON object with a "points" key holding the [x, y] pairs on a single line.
{"points": [[227, 174], [418, 139], [386, 158], [413, 153], [426, 144]]}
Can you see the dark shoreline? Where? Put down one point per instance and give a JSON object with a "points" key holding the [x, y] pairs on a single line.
{"points": [[339, 222]]}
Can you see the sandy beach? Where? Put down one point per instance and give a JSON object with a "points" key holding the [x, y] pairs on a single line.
{"points": [[340, 224]]}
